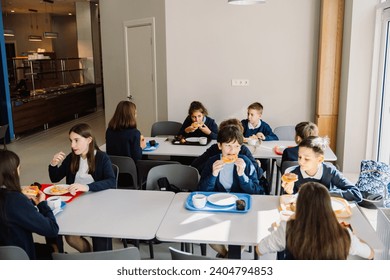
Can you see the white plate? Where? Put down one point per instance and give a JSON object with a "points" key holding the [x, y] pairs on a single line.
{"points": [[192, 139], [337, 205], [48, 189], [222, 199]]}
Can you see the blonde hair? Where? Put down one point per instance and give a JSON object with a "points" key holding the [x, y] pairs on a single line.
{"points": [[256, 106], [304, 130]]}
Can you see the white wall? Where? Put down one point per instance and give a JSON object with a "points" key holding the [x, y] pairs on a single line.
{"points": [[274, 45], [112, 15], [359, 25]]}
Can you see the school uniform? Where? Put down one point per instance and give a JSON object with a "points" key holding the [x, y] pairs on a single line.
{"points": [[209, 122], [124, 142], [23, 219], [331, 178], [262, 127], [230, 181]]}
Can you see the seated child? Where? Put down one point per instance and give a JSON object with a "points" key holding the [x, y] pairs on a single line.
{"points": [[302, 131], [312, 168], [255, 127], [200, 161], [198, 124], [230, 171], [308, 236]]}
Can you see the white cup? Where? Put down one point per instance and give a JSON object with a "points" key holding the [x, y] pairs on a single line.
{"points": [[54, 202], [203, 140], [199, 200], [252, 141]]}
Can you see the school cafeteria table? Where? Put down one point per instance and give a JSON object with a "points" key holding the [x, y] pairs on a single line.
{"points": [[264, 150], [182, 225], [117, 213]]}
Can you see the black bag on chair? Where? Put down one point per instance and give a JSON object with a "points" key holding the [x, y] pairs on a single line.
{"points": [[374, 179], [164, 185]]}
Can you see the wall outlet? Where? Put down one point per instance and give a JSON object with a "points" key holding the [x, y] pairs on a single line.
{"points": [[240, 82]]}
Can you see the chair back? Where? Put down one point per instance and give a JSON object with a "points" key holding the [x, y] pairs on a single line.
{"points": [[13, 253], [286, 133], [129, 253], [164, 128], [180, 255], [115, 168], [183, 176], [286, 164], [144, 166], [126, 165], [3, 131]]}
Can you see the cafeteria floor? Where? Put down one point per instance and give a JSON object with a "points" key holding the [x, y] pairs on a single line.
{"points": [[36, 151]]}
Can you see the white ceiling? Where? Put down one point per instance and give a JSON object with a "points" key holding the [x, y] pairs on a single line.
{"points": [[59, 7]]}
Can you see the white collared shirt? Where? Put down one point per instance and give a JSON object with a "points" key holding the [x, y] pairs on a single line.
{"points": [[316, 176], [250, 126]]}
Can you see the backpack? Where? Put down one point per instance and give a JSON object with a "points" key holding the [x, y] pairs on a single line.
{"points": [[374, 180]]}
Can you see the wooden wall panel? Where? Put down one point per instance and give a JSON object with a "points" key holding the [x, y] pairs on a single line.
{"points": [[329, 68]]}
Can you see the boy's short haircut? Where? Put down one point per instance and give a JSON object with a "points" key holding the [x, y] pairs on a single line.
{"points": [[256, 106], [305, 129], [230, 133], [316, 143], [235, 122]]}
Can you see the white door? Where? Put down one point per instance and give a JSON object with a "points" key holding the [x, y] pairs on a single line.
{"points": [[140, 60]]}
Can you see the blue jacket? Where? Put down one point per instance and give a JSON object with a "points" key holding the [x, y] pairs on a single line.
{"points": [[331, 178], [247, 183], [23, 219], [124, 142], [290, 154], [104, 175], [264, 128], [210, 123]]}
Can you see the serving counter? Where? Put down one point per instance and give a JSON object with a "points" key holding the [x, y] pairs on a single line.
{"points": [[51, 106]]}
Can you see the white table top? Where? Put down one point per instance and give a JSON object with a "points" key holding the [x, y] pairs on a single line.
{"points": [[182, 225], [131, 214], [264, 150]]}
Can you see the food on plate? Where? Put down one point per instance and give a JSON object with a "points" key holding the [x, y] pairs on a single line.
{"points": [[182, 140], [196, 124], [30, 190], [289, 177], [58, 190], [229, 158], [240, 204], [288, 202]]}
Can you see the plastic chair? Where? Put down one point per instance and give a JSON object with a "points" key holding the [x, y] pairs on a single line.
{"points": [[164, 128], [130, 253], [13, 253], [179, 175], [144, 166], [126, 165], [281, 170], [180, 255], [286, 133], [116, 172], [3, 131]]}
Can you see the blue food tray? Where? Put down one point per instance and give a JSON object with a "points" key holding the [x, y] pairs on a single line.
{"points": [[215, 208], [149, 148]]}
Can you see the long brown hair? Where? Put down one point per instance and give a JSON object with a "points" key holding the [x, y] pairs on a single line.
{"points": [[85, 131], [9, 178], [315, 233], [197, 106], [124, 116]]}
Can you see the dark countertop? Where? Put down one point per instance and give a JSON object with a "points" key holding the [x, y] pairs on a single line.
{"points": [[47, 93]]}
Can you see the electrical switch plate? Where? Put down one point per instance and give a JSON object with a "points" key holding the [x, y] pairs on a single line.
{"points": [[240, 82]]}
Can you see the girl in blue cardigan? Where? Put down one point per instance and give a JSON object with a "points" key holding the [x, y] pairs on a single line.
{"points": [[19, 219], [86, 168]]}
